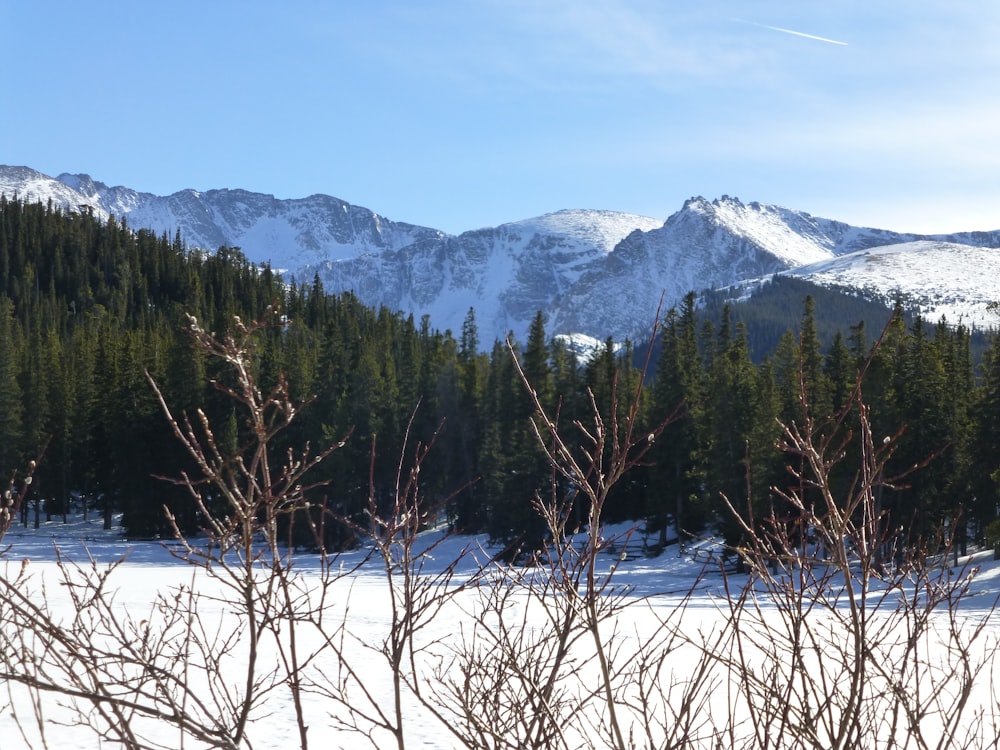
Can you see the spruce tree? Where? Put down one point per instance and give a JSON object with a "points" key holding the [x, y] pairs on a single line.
{"points": [[731, 409], [985, 448], [675, 498], [466, 427], [11, 397]]}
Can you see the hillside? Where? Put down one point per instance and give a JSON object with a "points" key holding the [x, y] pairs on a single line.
{"points": [[599, 273]]}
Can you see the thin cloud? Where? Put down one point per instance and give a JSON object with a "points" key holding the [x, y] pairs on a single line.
{"points": [[793, 32]]}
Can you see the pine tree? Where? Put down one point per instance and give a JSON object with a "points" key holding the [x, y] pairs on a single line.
{"points": [[919, 380], [466, 428], [536, 365], [840, 373], [813, 377], [985, 449], [513, 469], [11, 398], [678, 472], [530, 476], [954, 348], [731, 410]]}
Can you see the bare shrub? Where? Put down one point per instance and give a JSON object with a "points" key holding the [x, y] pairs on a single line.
{"points": [[419, 589], [842, 635], [541, 661], [832, 640], [13, 497], [256, 631], [171, 675]]}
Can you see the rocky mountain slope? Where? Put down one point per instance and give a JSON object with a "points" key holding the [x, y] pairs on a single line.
{"points": [[599, 273]]}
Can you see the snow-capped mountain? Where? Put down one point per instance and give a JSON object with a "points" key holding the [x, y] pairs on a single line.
{"points": [[708, 244], [33, 186], [938, 278], [288, 234], [599, 273], [507, 273]]}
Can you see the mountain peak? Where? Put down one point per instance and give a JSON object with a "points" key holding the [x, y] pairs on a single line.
{"points": [[604, 229], [594, 272], [82, 183], [694, 202]]}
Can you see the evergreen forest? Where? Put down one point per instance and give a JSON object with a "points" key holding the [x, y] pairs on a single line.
{"points": [[88, 307]]}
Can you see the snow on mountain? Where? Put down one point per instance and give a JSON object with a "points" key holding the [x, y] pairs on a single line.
{"points": [[596, 273], [601, 229], [937, 278], [506, 273], [32, 186], [117, 201], [707, 244], [288, 234]]}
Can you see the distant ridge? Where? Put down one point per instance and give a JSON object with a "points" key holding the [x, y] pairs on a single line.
{"points": [[596, 273]]}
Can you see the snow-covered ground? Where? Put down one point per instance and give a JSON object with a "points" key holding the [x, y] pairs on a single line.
{"points": [[658, 588]]}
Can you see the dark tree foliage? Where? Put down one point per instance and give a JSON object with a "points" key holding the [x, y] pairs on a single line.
{"points": [[88, 307]]}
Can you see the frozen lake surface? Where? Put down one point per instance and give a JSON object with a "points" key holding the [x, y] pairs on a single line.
{"points": [[658, 589]]}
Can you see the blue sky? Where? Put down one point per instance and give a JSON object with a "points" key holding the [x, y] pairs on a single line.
{"points": [[460, 114]]}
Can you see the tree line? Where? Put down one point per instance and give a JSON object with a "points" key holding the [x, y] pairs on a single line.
{"points": [[90, 309]]}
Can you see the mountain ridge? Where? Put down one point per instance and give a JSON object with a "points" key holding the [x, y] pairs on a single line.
{"points": [[594, 272]]}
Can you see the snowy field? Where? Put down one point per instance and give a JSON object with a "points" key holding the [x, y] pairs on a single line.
{"points": [[658, 589]]}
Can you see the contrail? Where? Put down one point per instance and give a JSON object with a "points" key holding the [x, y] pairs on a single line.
{"points": [[793, 32]]}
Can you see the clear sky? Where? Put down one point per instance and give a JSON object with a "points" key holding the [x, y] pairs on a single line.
{"points": [[460, 114]]}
